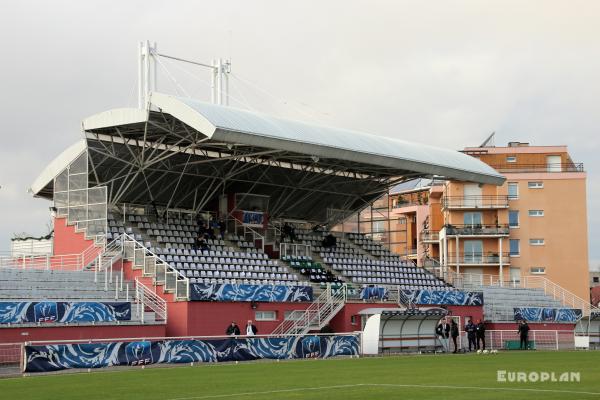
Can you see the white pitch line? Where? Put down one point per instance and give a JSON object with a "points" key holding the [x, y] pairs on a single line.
{"points": [[511, 389], [302, 389], [217, 396]]}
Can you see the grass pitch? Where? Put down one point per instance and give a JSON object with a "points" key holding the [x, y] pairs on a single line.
{"points": [[402, 377]]}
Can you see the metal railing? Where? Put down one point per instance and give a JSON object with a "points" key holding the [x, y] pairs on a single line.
{"points": [[161, 272], [62, 262], [478, 259], [550, 167], [468, 202], [509, 339], [477, 230], [430, 236], [317, 315], [549, 288], [294, 250], [146, 298]]}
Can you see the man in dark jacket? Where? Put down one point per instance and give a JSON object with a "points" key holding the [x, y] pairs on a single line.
{"points": [[480, 333], [233, 329], [454, 333], [443, 333], [471, 330], [251, 329], [523, 334]]}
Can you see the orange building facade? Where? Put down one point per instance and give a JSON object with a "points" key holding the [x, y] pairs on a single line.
{"points": [[535, 224]]}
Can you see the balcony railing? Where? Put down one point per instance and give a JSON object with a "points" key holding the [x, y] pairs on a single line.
{"points": [[475, 202], [430, 236], [479, 259], [477, 230], [551, 167]]}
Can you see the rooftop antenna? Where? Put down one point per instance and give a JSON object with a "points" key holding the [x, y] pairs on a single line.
{"points": [[489, 142], [147, 80]]}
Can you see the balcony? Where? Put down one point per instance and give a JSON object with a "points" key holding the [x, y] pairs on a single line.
{"points": [[430, 236], [516, 168], [479, 230], [474, 202], [478, 259]]}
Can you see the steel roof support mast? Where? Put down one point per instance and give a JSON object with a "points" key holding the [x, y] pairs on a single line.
{"points": [[147, 61]]}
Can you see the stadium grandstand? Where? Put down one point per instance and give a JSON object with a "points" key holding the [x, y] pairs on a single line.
{"points": [[175, 218]]}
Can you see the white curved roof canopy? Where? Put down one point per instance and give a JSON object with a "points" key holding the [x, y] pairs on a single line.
{"points": [[234, 125], [307, 168], [57, 165]]}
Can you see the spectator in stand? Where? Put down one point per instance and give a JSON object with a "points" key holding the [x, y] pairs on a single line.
{"points": [[326, 329], [288, 231], [454, 333], [443, 333], [251, 329], [233, 329], [329, 241], [480, 333], [523, 334], [471, 330], [222, 228]]}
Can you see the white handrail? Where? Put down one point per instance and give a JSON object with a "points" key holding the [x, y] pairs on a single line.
{"points": [[169, 270], [147, 298], [67, 262], [550, 288], [318, 313]]}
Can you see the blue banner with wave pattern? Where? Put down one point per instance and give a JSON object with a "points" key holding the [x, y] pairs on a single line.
{"points": [[99, 355], [547, 314], [266, 293], [445, 297], [21, 312]]}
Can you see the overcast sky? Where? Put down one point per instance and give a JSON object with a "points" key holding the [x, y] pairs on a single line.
{"points": [[441, 72]]}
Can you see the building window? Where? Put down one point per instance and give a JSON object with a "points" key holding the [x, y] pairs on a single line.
{"points": [[536, 213], [536, 242], [535, 185], [537, 270], [515, 245], [513, 218], [292, 316], [472, 218], [265, 315], [511, 159], [353, 320], [513, 190], [596, 279], [378, 226]]}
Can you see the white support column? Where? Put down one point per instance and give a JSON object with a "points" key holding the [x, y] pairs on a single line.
{"points": [[213, 83], [501, 262], [146, 84], [220, 81], [140, 75], [457, 255], [153, 69], [446, 255]]}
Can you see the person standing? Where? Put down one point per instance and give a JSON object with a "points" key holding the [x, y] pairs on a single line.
{"points": [[471, 329], [480, 333], [443, 333], [251, 329], [523, 334], [454, 333], [233, 329]]}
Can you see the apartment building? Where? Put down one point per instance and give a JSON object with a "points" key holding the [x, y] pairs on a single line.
{"points": [[534, 224]]}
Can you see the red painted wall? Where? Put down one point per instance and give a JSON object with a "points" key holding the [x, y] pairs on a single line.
{"points": [[595, 296], [212, 318], [18, 335], [66, 240]]}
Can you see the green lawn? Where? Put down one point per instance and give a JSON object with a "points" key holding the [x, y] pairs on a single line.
{"points": [[406, 377]]}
